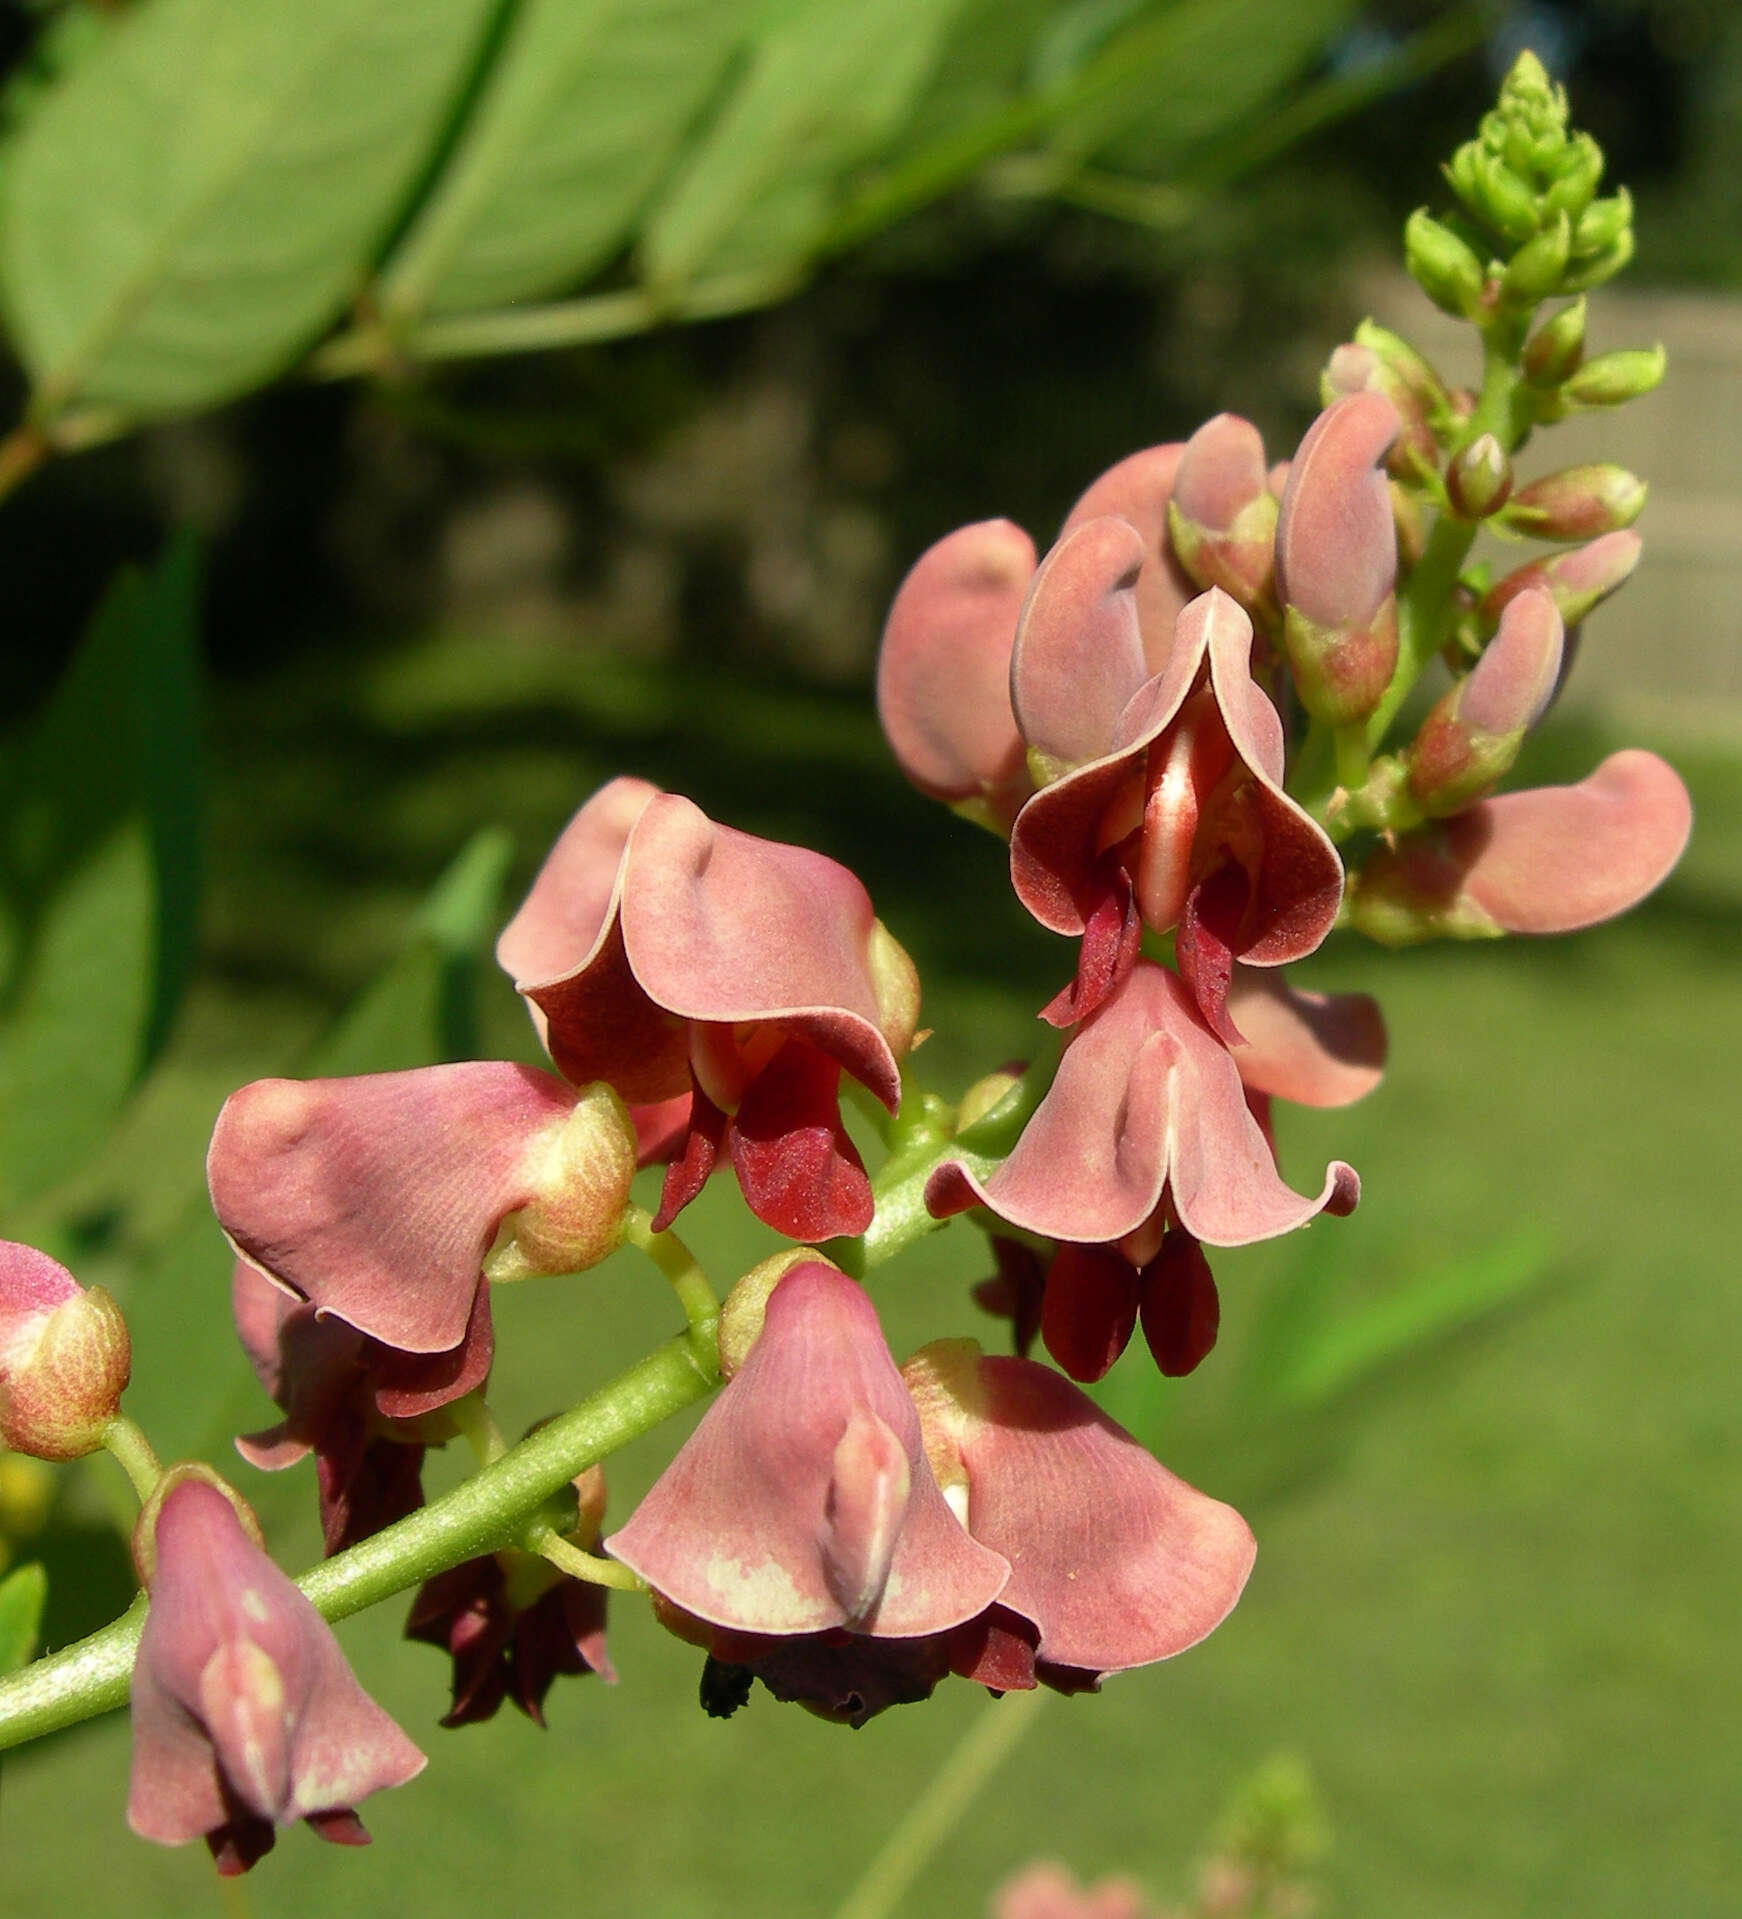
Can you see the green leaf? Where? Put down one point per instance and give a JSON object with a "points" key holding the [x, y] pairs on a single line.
{"points": [[99, 874], [23, 1594], [1180, 75], [826, 88], [1301, 1360], [587, 105], [206, 190]]}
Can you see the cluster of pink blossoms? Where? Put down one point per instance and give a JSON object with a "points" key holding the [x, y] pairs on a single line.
{"points": [[846, 1530]]}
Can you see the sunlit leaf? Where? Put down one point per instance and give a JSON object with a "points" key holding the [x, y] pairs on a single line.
{"points": [[586, 107], [23, 1594], [826, 87], [206, 190], [99, 874]]}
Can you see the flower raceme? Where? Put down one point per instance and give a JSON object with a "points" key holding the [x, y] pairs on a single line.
{"points": [[245, 1713], [850, 1534]]}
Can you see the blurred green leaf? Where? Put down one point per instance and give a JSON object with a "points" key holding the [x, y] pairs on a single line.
{"points": [[826, 88], [23, 1594], [99, 874], [586, 107], [191, 1385], [204, 191], [1300, 1359]]}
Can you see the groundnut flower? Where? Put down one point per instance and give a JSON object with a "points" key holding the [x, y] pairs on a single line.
{"points": [[1165, 807], [1146, 1121], [803, 1503], [669, 956], [245, 1713], [381, 1199]]}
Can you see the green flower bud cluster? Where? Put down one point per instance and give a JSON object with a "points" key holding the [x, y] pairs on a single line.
{"points": [[1527, 193]]}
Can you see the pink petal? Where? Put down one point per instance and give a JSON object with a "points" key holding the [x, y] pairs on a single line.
{"points": [[1115, 1560], [724, 927], [1079, 653], [1145, 1096], [1336, 545], [943, 674], [1317, 1049], [803, 1500], [1511, 684], [1138, 489], [376, 1198]]}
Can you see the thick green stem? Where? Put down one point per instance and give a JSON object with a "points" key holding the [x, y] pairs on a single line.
{"points": [[479, 1516]]}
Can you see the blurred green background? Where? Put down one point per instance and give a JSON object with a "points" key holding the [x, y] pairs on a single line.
{"points": [[1494, 1609]]}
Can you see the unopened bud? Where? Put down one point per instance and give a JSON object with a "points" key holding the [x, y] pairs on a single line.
{"points": [[144, 1541], [986, 1095], [64, 1357], [1354, 368], [1336, 561], [1479, 478], [1612, 379], [1576, 581], [1602, 223], [1414, 373], [1577, 171], [1595, 269], [1556, 348], [1442, 265], [1536, 270], [1495, 193], [581, 1176], [1577, 503], [1471, 738], [742, 1311], [1221, 517]]}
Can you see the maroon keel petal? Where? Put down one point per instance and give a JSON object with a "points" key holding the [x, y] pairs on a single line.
{"points": [[798, 1170]]}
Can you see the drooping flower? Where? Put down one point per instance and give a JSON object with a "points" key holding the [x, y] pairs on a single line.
{"points": [[245, 1713], [802, 1503], [1166, 808], [1148, 1110], [511, 1623], [365, 1410], [380, 1199], [668, 956], [64, 1357]]}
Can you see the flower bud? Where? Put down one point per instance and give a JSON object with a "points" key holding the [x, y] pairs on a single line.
{"points": [[1443, 266], [1354, 368], [1603, 223], [1535, 271], [1411, 371], [64, 1357], [1472, 736], [1555, 349], [584, 1166], [1577, 503], [1496, 194], [1577, 580], [1336, 561], [1576, 173], [1592, 270], [1479, 478], [1221, 516], [1612, 379]]}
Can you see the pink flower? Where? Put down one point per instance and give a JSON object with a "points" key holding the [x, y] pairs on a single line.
{"points": [[245, 1714], [1166, 808], [670, 956], [1148, 1112], [365, 1410], [378, 1199], [1046, 1890], [803, 1503]]}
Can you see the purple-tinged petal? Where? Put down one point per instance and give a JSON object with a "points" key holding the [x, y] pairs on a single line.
{"points": [[376, 1198], [1079, 655], [1138, 489], [560, 921], [723, 927], [1317, 1049], [803, 1501], [943, 674], [1552, 859], [1145, 1097], [1089, 1309], [1114, 1559], [1578, 581], [244, 1709]]}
